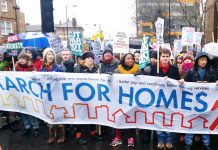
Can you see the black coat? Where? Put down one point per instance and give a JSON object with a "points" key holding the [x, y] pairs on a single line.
{"points": [[108, 68], [68, 66], [84, 69], [172, 73]]}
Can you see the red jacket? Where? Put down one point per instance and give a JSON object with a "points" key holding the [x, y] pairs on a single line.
{"points": [[37, 64]]}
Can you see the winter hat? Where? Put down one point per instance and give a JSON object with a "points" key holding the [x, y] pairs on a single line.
{"points": [[107, 49], [33, 51], [188, 56], [24, 56], [154, 54], [45, 52], [87, 54]]}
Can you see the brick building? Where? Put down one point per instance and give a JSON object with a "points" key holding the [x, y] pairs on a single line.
{"points": [[11, 19]]}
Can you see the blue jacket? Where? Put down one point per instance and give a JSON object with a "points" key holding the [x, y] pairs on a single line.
{"points": [[55, 68]]}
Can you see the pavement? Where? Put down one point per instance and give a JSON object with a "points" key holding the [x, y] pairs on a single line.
{"points": [[13, 141]]}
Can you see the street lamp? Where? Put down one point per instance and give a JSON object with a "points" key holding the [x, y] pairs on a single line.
{"points": [[67, 22]]}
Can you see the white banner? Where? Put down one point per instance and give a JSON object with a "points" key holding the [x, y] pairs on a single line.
{"points": [[120, 101], [159, 24], [121, 43]]}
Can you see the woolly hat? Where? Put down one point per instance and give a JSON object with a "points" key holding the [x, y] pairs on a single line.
{"points": [[87, 54], [188, 56], [24, 56], [45, 52], [33, 52], [107, 49], [154, 54]]}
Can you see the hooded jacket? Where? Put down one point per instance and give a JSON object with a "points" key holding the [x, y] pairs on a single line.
{"points": [[193, 75]]}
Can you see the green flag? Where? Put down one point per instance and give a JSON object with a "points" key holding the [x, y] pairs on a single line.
{"points": [[144, 59]]}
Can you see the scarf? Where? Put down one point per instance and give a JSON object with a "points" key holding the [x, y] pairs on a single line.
{"points": [[132, 70], [186, 67], [164, 68], [48, 67], [107, 61], [201, 72], [20, 67]]}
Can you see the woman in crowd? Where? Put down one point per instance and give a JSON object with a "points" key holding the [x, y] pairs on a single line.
{"points": [[127, 66], [86, 66], [36, 59], [49, 65], [24, 63]]}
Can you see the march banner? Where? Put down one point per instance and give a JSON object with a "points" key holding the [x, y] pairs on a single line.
{"points": [[121, 43], [119, 101], [159, 24], [187, 36], [76, 43], [55, 43], [144, 59]]}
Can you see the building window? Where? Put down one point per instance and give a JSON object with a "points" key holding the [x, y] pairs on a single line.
{"points": [[6, 27], [4, 5]]}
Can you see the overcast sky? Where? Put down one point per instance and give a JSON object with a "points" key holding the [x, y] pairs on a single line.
{"points": [[113, 15]]}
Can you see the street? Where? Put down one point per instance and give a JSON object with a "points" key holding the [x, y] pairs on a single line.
{"points": [[13, 141]]}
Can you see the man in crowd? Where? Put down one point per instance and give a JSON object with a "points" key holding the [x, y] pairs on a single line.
{"points": [[108, 63], [169, 71], [202, 72], [67, 64]]}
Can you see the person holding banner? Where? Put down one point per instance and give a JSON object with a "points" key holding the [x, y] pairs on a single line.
{"points": [[36, 59], [49, 65], [127, 66], [87, 66], [202, 72], [67, 64], [108, 63], [24, 63], [168, 71]]}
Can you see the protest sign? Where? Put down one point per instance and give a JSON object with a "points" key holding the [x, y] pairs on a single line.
{"points": [[197, 36], [177, 47], [187, 36], [119, 101], [14, 45], [144, 59], [14, 48], [55, 43], [76, 43], [159, 24], [121, 43], [96, 46]]}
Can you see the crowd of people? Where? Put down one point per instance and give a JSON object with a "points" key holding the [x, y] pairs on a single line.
{"points": [[186, 67]]}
